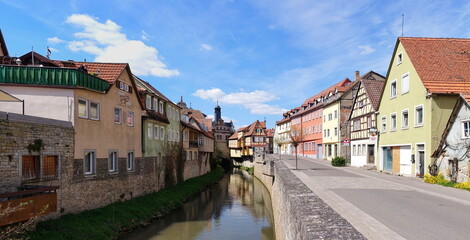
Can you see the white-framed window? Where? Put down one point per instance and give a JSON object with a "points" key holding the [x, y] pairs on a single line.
{"points": [[200, 141], [330, 116], [405, 120], [155, 104], [356, 125], [336, 114], [148, 102], [89, 162], [393, 89], [354, 150], [466, 129], [149, 130], [162, 133], [130, 161], [328, 132], [324, 132], [405, 83], [399, 58], [359, 150], [155, 131], [130, 118], [82, 108], [369, 121], [419, 116], [161, 107], [94, 111], [393, 122], [117, 115], [384, 123], [112, 161], [336, 131]]}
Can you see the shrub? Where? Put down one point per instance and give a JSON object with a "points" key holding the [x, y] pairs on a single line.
{"points": [[464, 185], [338, 162]]}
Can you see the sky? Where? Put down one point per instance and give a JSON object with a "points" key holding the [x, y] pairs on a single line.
{"points": [[257, 58]]}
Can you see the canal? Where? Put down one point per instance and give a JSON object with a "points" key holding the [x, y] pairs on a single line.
{"points": [[238, 207]]}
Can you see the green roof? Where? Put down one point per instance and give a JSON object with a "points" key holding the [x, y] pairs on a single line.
{"points": [[47, 76]]}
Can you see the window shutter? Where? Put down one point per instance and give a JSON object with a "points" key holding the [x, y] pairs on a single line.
{"points": [[130, 89], [117, 83]]}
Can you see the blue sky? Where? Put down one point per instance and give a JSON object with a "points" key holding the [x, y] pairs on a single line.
{"points": [[257, 57]]}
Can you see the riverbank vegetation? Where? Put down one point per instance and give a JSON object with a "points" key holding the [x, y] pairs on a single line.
{"points": [[110, 221]]}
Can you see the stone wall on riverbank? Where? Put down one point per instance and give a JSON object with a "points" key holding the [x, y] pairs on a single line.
{"points": [[298, 212]]}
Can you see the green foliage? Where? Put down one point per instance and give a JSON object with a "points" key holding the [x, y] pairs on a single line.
{"points": [[36, 146], [248, 169], [338, 162], [108, 222]]}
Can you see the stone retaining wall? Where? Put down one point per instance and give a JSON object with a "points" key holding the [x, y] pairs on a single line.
{"points": [[298, 212]]}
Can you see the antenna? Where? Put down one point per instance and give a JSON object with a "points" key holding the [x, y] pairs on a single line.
{"points": [[402, 23]]}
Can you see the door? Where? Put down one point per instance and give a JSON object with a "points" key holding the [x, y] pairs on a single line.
{"points": [[319, 151], [396, 159], [370, 154], [421, 163], [387, 152]]}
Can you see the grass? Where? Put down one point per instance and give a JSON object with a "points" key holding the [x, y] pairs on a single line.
{"points": [[110, 221], [439, 179]]}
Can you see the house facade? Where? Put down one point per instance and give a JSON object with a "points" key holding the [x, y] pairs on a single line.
{"points": [[222, 131], [248, 140], [281, 139], [363, 120], [417, 101]]}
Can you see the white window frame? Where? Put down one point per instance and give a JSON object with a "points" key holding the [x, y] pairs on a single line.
{"points": [[113, 160], [403, 126], [393, 122], [120, 115], [92, 162], [97, 110], [383, 128], [416, 115], [162, 133], [86, 108], [391, 89], [155, 104], [161, 107], [463, 123], [148, 102], [156, 130], [399, 58], [403, 85], [149, 133], [130, 161]]}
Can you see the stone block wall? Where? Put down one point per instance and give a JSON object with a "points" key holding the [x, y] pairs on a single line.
{"points": [[197, 167]]}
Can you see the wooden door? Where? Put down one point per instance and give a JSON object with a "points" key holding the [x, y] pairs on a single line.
{"points": [[396, 159]]}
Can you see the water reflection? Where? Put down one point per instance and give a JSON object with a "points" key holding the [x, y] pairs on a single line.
{"points": [[238, 207]]}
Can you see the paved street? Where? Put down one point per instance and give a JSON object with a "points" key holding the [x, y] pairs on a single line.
{"points": [[383, 206]]}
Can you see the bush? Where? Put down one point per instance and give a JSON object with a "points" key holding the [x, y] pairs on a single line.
{"points": [[338, 162]]}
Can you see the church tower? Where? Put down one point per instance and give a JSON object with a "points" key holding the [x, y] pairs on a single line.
{"points": [[218, 113]]}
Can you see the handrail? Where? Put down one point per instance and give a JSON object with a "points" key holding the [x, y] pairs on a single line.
{"points": [[28, 192]]}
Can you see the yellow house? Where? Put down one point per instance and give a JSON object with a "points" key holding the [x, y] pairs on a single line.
{"points": [[424, 77]]}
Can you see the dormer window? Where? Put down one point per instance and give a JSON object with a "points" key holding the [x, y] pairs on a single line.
{"points": [[148, 102], [399, 58]]}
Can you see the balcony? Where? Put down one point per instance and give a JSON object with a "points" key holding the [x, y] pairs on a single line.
{"points": [[48, 76], [36, 202]]}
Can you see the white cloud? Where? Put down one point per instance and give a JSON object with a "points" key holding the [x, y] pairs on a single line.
{"points": [[109, 44], [254, 101], [55, 40], [205, 47], [366, 49], [145, 36]]}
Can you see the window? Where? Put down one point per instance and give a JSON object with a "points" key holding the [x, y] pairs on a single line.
{"points": [[155, 131], [369, 121], [200, 141], [185, 136], [399, 58], [405, 83], [393, 122], [112, 161], [130, 118], [404, 119], [336, 114], [130, 161], [82, 108], [155, 104], [177, 136], [148, 102], [466, 129], [94, 111], [149, 130], [384, 124], [356, 125], [37, 167], [354, 150], [419, 116], [162, 133], [330, 116], [359, 150], [161, 107], [328, 132], [324, 133], [117, 115], [393, 89], [336, 131], [89, 162]]}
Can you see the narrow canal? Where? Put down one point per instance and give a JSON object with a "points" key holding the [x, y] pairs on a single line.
{"points": [[239, 207]]}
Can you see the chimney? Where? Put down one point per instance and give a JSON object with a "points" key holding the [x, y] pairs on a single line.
{"points": [[357, 76]]}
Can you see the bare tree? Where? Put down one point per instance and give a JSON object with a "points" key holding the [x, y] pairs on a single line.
{"points": [[14, 231], [296, 137], [278, 141]]}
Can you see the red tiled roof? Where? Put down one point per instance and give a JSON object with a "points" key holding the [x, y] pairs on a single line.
{"points": [[269, 132], [325, 92], [234, 135], [154, 90], [443, 64], [466, 96], [109, 72], [155, 116], [374, 89]]}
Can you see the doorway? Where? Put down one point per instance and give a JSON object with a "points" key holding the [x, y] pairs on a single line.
{"points": [[421, 161], [371, 154], [319, 151]]}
